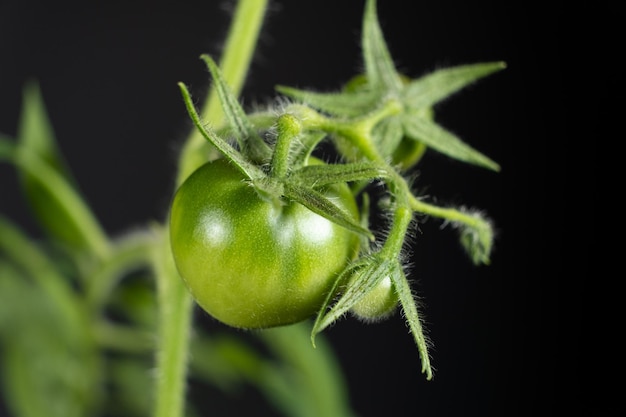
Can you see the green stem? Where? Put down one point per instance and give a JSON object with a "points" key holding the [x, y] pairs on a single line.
{"points": [[447, 213], [175, 302], [123, 338], [129, 253], [238, 51], [175, 319], [288, 128]]}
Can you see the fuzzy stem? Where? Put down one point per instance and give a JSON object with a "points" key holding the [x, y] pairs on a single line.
{"points": [[446, 213], [175, 320], [288, 128], [175, 302]]}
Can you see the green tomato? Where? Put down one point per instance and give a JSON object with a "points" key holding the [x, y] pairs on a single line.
{"points": [[378, 304], [249, 263]]}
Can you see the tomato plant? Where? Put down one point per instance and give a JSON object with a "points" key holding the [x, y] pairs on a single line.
{"points": [[261, 233], [249, 262]]}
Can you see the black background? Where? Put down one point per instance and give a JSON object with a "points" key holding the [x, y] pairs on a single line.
{"points": [[108, 72]]}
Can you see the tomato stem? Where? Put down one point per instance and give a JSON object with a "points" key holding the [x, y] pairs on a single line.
{"points": [[288, 129], [175, 302]]}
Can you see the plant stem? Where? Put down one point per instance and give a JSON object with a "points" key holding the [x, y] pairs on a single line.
{"points": [[175, 319], [450, 214], [175, 302], [238, 51], [288, 128]]}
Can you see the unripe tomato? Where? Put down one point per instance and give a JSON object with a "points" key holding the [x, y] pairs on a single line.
{"points": [[248, 262], [377, 304]]}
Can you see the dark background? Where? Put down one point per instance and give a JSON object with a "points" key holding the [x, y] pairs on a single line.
{"points": [[108, 72]]}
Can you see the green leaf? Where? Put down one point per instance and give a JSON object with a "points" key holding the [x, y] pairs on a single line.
{"points": [[412, 317], [246, 167], [16, 248], [246, 135], [11, 297], [349, 104], [49, 362], [70, 219], [438, 85], [35, 130], [224, 361], [50, 190], [303, 382], [379, 66], [319, 204], [321, 175], [441, 140], [131, 387], [387, 135], [362, 277], [45, 374]]}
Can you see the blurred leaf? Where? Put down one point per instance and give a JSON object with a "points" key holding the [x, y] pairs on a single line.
{"points": [[35, 131], [224, 361], [49, 189], [44, 373], [380, 69], [12, 298], [305, 381], [49, 362], [299, 380], [62, 203], [132, 383]]}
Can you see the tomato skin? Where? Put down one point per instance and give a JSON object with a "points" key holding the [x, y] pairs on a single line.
{"points": [[249, 263]]}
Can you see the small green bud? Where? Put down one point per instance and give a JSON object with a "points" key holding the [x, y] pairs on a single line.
{"points": [[378, 304]]}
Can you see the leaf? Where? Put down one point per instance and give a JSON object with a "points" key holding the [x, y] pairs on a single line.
{"points": [[412, 317], [245, 132], [349, 104], [49, 364], [362, 277], [70, 219], [379, 66], [44, 374], [319, 204], [224, 361], [320, 175], [131, 387], [246, 167], [35, 130], [49, 188], [387, 135], [16, 248], [438, 85], [11, 296], [304, 382], [441, 140]]}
